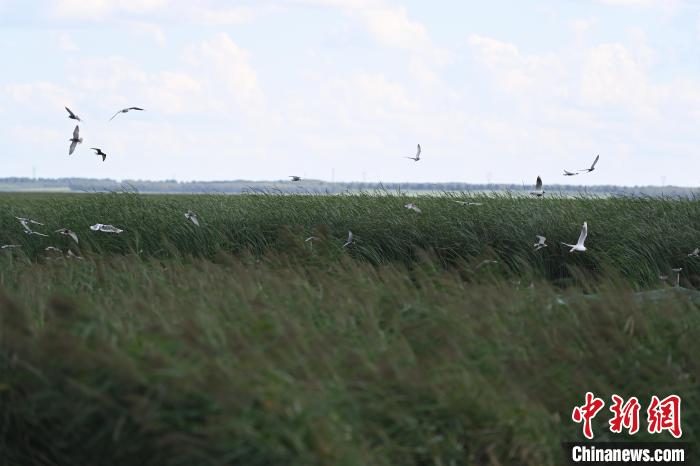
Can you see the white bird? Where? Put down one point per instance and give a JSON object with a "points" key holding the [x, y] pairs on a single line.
{"points": [[25, 224], [568, 173], [75, 140], [71, 255], [588, 170], [192, 217], [581, 239], [417, 157], [72, 115], [295, 178], [695, 253], [540, 243], [485, 262], [678, 275], [68, 232], [311, 240], [469, 203], [105, 228], [350, 240], [125, 110], [10, 246], [539, 192], [413, 207]]}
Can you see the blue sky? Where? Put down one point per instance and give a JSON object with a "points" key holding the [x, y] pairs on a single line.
{"points": [[501, 91]]}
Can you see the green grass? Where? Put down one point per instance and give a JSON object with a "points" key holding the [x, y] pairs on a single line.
{"points": [[236, 344]]}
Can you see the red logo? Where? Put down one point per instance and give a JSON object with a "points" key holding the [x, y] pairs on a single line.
{"points": [[665, 415], [587, 412], [662, 415], [625, 415]]}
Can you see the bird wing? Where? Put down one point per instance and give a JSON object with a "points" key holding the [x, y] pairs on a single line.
{"points": [[418, 151], [584, 233], [76, 132], [74, 236], [135, 108], [104, 156], [349, 237], [195, 220], [72, 147], [115, 115], [538, 185], [69, 111], [541, 239], [595, 161]]}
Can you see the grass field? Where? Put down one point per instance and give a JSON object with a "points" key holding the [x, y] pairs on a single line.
{"points": [[239, 343]]}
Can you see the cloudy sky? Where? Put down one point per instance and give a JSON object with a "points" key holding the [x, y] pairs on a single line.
{"points": [[261, 89]]}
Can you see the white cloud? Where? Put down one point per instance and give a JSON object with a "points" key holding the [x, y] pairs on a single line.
{"points": [[516, 73], [98, 9], [612, 76], [38, 94], [66, 43], [227, 65], [150, 30]]}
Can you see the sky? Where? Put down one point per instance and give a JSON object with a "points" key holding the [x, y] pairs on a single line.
{"points": [[498, 91]]}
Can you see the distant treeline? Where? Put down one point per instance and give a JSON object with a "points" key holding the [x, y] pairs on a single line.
{"points": [[314, 186]]}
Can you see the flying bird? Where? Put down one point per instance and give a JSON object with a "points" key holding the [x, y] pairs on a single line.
{"points": [[678, 271], [192, 217], [72, 115], [75, 140], [469, 203], [413, 207], [71, 255], [98, 151], [485, 262], [10, 246], [295, 178], [581, 239], [350, 240], [126, 110], [539, 192], [67, 232], [695, 253], [588, 170], [417, 157], [568, 173], [540, 243], [311, 240], [27, 229], [105, 228]]}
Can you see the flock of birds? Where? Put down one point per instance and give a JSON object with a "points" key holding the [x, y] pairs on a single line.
{"points": [[76, 139], [538, 191]]}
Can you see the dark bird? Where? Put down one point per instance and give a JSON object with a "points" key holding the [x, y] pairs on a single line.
{"points": [[126, 110], [98, 151], [568, 173], [72, 115], [295, 178], [588, 170], [75, 140]]}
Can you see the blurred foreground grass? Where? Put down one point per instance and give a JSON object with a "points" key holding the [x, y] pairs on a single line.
{"points": [[236, 344]]}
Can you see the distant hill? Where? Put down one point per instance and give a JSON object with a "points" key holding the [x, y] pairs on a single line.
{"points": [[312, 186]]}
